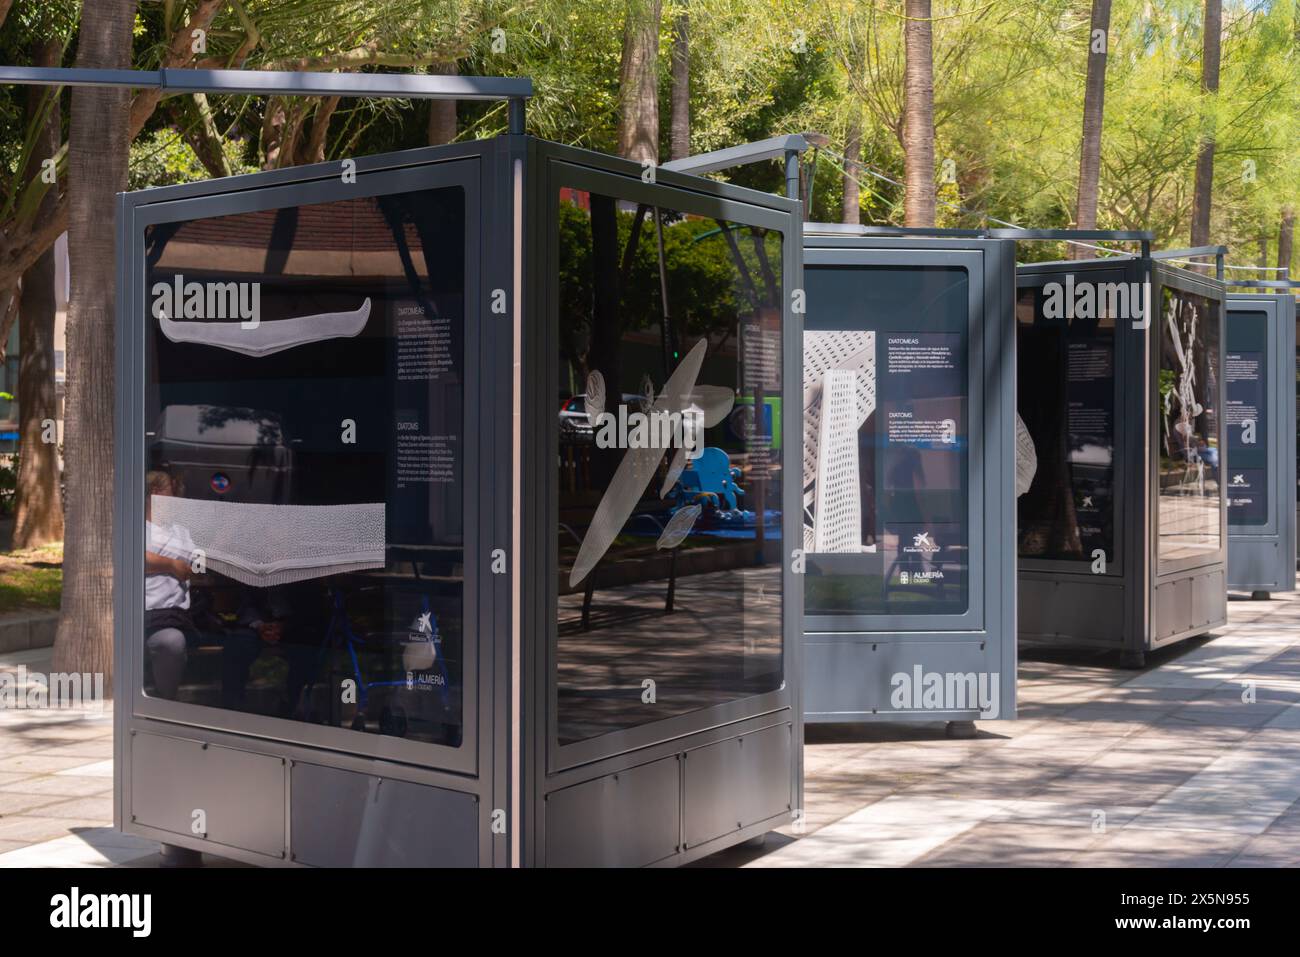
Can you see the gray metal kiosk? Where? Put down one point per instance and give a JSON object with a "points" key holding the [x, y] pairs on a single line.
{"points": [[909, 476], [450, 509], [1259, 377], [1123, 532]]}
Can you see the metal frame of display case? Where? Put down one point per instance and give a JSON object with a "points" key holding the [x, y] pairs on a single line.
{"points": [[510, 770], [1132, 607], [1261, 558], [269, 787], [850, 660]]}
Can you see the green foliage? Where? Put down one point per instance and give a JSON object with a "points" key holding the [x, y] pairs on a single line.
{"points": [[162, 158], [1009, 79]]}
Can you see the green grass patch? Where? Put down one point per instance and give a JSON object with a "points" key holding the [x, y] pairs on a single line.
{"points": [[31, 580]]}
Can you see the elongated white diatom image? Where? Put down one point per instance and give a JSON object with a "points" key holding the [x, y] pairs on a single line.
{"points": [[594, 403], [635, 470], [292, 542], [1026, 458], [679, 526], [268, 338]]}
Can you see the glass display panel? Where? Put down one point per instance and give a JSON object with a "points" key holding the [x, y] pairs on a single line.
{"points": [[886, 523], [669, 484], [304, 397], [1065, 378], [1187, 413], [1245, 383]]}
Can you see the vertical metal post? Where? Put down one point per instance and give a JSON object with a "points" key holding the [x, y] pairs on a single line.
{"points": [[517, 116], [792, 174]]}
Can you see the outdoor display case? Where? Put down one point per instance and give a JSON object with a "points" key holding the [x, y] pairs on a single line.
{"points": [[909, 475], [452, 489], [1260, 383], [1122, 534]]}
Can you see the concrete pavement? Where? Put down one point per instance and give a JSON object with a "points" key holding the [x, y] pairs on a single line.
{"points": [[1194, 761]]}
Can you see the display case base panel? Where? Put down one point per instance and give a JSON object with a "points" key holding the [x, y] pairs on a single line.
{"points": [[1259, 566], [234, 800], [874, 677], [1078, 609], [658, 812], [1185, 607]]}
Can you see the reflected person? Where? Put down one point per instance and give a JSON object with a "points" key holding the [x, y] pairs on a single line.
{"points": [[170, 617]]}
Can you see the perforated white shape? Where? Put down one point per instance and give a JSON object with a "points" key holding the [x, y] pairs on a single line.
{"points": [[822, 352], [837, 523], [265, 545]]}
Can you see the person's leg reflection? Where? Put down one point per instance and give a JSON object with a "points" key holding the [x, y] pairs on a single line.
{"points": [[167, 657]]}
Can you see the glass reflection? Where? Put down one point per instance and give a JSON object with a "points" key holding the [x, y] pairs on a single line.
{"points": [[304, 394], [1066, 400], [669, 483], [1187, 398]]}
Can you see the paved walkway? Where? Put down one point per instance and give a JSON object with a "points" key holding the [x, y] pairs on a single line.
{"points": [[1193, 762]]}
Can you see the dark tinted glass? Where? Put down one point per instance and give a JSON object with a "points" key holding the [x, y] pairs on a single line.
{"points": [[1187, 413], [1065, 369], [1245, 383], [668, 482], [304, 401], [886, 440]]}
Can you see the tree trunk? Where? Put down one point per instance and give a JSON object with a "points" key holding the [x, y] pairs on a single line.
{"points": [[442, 113], [99, 139], [851, 210], [638, 83], [918, 119], [1205, 154], [1094, 106], [680, 134], [38, 512], [8, 316], [1285, 236]]}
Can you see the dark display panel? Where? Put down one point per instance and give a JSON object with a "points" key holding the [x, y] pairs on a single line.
{"points": [[1245, 382], [304, 399], [1065, 364], [886, 440], [1187, 416], [668, 477]]}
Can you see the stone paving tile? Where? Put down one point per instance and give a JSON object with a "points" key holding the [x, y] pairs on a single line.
{"points": [[1244, 791], [79, 808], [12, 802], [1184, 772], [99, 769], [889, 833], [37, 763], [60, 785], [86, 847], [1010, 844], [33, 830], [1144, 847]]}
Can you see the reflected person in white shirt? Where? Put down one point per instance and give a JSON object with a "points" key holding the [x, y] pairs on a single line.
{"points": [[169, 552]]}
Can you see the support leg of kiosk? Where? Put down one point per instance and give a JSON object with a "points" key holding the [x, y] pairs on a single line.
{"points": [[173, 856], [961, 729], [1261, 596], [1132, 659]]}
